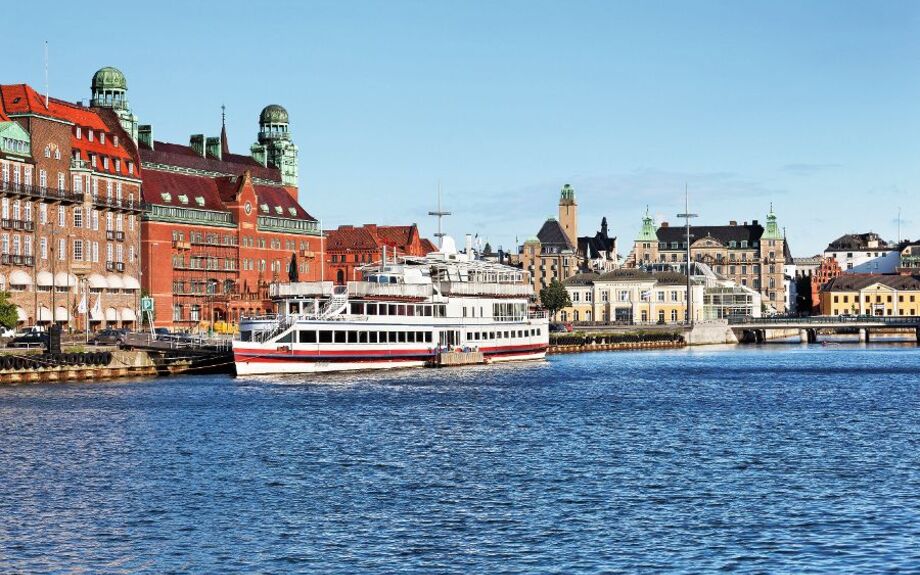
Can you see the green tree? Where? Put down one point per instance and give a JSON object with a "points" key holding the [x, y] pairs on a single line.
{"points": [[554, 297], [803, 295], [9, 317]]}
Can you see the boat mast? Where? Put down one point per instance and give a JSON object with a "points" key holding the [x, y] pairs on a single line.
{"points": [[440, 213]]}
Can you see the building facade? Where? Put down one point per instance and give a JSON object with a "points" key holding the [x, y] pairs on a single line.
{"points": [[349, 247], [871, 294], [598, 253], [71, 207], [864, 253], [751, 255], [221, 226], [552, 254]]}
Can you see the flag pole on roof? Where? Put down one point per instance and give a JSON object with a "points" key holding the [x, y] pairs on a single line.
{"points": [[46, 74]]}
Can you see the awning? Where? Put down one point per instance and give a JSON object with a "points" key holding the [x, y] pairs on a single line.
{"points": [[114, 282], [44, 314], [44, 279], [131, 283], [127, 314], [20, 278], [97, 281], [21, 314], [64, 279], [60, 314], [111, 314]]}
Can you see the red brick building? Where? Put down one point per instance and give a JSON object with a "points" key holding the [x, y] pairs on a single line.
{"points": [[70, 200], [828, 270], [221, 226], [348, 247]]}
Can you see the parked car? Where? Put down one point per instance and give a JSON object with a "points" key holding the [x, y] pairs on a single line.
{"points": [[6, 332], [109, 336], [560, 328], [32, 339]]}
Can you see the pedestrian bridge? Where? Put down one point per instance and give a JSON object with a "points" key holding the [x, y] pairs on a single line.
{"points": [[757, 329]]}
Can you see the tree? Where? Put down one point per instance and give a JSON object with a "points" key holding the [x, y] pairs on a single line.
{"points": [[487, 249], [9, 316], [554, 297]]}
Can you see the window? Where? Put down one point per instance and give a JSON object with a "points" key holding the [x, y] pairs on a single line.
{"points": [[43, 178], [101, 137], [60, 182], [43, 248], [79, 132], [62, 216], [78, 217], [78, 250], [62, 249]]}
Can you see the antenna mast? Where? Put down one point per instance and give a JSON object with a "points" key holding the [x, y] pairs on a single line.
{"points": [[46, 74], [440, 213]]}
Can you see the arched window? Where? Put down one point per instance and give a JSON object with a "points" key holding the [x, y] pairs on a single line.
{"points": [[575, 315], [340, 277]]}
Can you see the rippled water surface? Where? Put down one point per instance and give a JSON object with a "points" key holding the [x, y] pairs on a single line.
{"points": [[774, 459]]}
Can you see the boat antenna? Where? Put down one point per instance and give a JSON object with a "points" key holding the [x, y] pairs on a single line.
{"points": [[440, 213]]}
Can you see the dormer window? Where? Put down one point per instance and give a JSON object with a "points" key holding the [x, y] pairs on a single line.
{"points": [[115, 141], [293, 211], [131, 168], [263, 207], [57, 153], [105, 162], [117, 165], [183, 199], [167, 197], [92, 160], [101, 137], [199, 200], [279, 210], [89, 135], [79, 132], [47, 151]]}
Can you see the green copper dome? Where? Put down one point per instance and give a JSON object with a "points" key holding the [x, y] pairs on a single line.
{"points": [[273, 114], [109, 78]]}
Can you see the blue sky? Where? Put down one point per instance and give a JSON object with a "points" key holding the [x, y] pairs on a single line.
{"points": [[810, 105]]}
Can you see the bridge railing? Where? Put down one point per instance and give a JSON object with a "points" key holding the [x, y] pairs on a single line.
{"points": [[827, 319]]}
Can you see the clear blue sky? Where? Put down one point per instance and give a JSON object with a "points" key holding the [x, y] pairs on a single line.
{"points": [[810, 105]]}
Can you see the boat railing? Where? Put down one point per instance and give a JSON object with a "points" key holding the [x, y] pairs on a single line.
{"points": [[486, 289], [371, 289], [304, 289], [539, 314]]}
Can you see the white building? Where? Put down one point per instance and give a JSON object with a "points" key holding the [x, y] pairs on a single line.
{"points": [[864, 254]]}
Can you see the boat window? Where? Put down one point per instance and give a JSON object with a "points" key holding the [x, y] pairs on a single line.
{"points": [[393, 337], [286, 338], [372, 337], [427, 309], [428, 337], [382, 309], [402, 336], [307, 336], [410, 310], [371, 309], [362, 337], [352, 337], [357, 308], [401, 310], [246, 335], [339, 336], [325, 337], [392, 309]]}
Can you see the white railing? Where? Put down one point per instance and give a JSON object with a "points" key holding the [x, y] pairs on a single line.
{"points": [[364, 289], [486, 288], [305, 289], [542, 314]]}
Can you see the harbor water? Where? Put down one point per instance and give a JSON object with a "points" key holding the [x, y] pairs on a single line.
{"points": [[777, 458]]}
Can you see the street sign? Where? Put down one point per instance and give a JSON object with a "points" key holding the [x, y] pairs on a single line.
{"points": [[146, 304]]}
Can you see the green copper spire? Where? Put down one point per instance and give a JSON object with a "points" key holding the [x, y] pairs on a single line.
{"points": [[648, 229], [567, 195], [772, 231]]}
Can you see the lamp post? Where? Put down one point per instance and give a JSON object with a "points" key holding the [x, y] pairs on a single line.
{"points": [[687, 215]]}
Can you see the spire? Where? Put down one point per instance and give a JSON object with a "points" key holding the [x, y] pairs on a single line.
{"points": [[224, 146]]}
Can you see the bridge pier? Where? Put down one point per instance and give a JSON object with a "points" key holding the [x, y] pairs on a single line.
{"points": [[917, 331], [804, 336], [863, 335]]}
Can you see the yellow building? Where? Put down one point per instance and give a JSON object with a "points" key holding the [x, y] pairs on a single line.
{"points": [[871, 294], [552, 254], [630, 296]]}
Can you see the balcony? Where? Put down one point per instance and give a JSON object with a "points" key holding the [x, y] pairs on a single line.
{"points": [[77, 164], [40, 193], [110, 234], [17, 260], [307, 254], [109, 266], [120, 236], [119, 266], [119, 204], [180, 245]]}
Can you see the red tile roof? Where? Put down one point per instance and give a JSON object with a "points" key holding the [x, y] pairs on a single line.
{"points": [[373, 237], [274, 196], [428, 247], [23, 99], [186, 157], [157, 183]]}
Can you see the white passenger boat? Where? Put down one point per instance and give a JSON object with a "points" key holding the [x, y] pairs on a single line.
{"points": [[402, 313]]}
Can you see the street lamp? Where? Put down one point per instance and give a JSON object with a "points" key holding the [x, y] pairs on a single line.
{"points": [[687, 215]]}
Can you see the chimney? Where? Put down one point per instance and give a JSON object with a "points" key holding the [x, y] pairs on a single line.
{"points": [[469, 244], [259, 154], [145, 136], [733, 223], [213, 148], [196, 142], [745, 223], [664, 224], [755, 223]]}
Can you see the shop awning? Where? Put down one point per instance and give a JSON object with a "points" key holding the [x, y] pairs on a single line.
{"points": [[131, 283], [114, 282], [44, 314], [20, 278], [111, 314], [44, 279], [127, 314], [21, 314], [97, 281], [60, 314], [64, 279]]}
